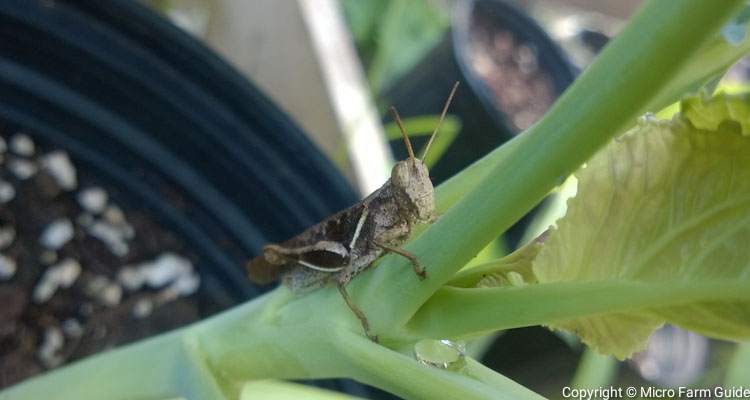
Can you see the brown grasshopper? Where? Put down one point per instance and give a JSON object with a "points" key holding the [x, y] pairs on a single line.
{"points": [[346, 243]]}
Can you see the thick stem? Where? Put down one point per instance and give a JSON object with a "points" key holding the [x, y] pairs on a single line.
{"points": [[737, 373], [457, 312], [715, 57], [279, 336], [282, 390], [594, 370], [402, 375], [283, 337], [168, 365]]}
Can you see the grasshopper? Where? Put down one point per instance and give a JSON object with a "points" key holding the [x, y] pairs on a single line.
{"points": [[343, 245]]}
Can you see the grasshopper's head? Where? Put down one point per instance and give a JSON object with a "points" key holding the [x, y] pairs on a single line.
{"points": [[413, 189], [410, 178]]}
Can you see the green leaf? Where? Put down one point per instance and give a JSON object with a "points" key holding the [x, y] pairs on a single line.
{"points": [[408, 30], [515, 269], [705, 112], [668, 201], [363, 18]]}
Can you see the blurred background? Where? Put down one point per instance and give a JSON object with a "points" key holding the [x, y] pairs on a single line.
{"points": [[325, 69]]}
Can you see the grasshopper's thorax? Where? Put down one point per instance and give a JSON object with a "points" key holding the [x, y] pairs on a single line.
{"points": [[412, 189]]}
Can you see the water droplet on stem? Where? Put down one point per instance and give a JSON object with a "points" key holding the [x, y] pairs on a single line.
{"points": [[443, 354]]}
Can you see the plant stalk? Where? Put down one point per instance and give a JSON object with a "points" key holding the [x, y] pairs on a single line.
{"points": [[458, 312]]}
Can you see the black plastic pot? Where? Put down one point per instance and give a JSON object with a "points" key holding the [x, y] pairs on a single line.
{"points": [[145, 106], [424, 90], [484, 126]]}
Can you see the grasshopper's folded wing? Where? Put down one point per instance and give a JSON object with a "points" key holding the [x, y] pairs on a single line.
{"points": [[277, 259]]}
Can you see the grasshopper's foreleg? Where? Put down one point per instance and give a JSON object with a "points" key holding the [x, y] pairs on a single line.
{"points": [[418, 268], [357, 311]]}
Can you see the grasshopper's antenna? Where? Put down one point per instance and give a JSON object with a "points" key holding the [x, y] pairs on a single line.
{"points": [[409, 149], [440, 121]]}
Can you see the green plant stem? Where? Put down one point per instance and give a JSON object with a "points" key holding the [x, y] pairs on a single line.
{"points": [[294, 340], [168, 365], [273, 336], [594, 370], [458, 312], [716, 56], [279, 336], [402, 375], [282, 390], [518, 261], [738, 373], [471, 276], [608, 96], [453, 189]]}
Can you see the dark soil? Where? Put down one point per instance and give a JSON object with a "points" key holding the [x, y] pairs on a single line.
{"points": [[76, 321], [509, 66]]}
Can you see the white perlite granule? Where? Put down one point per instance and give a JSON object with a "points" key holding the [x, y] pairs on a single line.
{"points": [[7, 267], [57, 234], [143, 308], [131, 277], [61, 169], [167, 268], [62, 274], [49, 351], [7, 236], [66, 272], [72, 328], [21, 168], [111, 295], [93, 199], [22, 145], [114, 215], [106, 291], [111, 236], [7, 192], [186, 284]]}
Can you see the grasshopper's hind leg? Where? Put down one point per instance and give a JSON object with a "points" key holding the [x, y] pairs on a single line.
{"points": [[341, 284], [357, 311]]}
